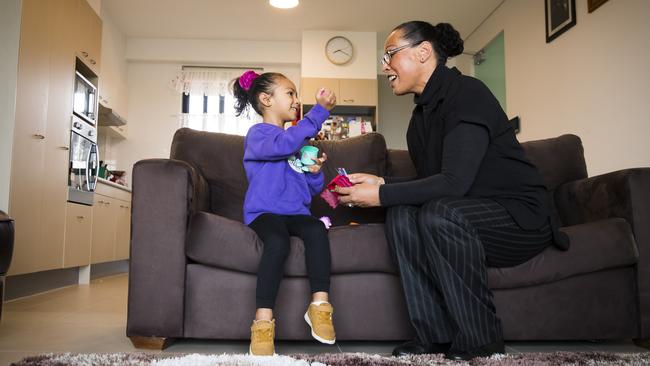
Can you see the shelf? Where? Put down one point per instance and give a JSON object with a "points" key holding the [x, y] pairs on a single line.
{"points": [[116, 132], [108, 117]]}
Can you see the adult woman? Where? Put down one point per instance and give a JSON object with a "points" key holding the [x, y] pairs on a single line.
{"points": [[476, 199]]}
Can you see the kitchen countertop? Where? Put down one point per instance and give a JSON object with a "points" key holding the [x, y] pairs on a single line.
{"points": [[113, 184]]}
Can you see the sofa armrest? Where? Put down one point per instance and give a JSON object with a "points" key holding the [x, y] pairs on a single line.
{"points": [[625, 194], [165, 193]]}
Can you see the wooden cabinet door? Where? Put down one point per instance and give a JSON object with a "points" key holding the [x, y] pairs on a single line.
{"points": [[59, 112], [78, 235], [362, 92], [28, 158], [104, 224], [95, 39], [309, 87], [88, 35], [123, 230]]}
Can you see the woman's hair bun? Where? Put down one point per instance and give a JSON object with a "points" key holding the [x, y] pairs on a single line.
{"points": [[449, 39]]}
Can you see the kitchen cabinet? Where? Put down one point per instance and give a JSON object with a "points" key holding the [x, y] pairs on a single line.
{"points": [[362, 92], [41, 136], [89, 36], [49, 42], [123, 231], [78, 234], [355, 98], [350, 92], [104, 224], [111, 224]]}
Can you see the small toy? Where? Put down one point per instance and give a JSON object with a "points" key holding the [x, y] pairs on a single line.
{"points": [[340, 180], [326, 221]]}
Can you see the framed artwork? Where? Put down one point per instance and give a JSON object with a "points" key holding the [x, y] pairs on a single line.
{"points": [[560, 16], [594, 4]]}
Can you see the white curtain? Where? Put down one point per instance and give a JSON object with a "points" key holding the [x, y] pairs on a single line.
{"points": [[215, 84]]}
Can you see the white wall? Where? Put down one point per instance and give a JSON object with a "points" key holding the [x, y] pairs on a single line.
{"points": [[154, 107], [394, 115], [592, 81], [9, 39], [316, 65], [221, 52], [114, 68], [113, 80]]}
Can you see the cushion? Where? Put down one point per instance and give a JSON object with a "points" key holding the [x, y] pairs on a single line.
{"points": [[360, 154], [559, 159], [595, 246], [218, 158], [228, 244]]}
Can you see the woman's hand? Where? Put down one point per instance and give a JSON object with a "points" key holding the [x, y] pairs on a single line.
{"points": [[361, 195], [357, 178], [318, 164]]}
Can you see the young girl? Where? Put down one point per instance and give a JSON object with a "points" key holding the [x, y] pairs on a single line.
{"points": [[278, 199]]}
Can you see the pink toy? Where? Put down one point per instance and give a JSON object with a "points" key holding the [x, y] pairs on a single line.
{"points": [[331, 197], [326, 221]]}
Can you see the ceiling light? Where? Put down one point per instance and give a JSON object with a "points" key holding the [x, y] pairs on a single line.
{"points": [[284, 4]]}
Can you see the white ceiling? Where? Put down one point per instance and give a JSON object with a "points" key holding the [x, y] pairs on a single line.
{"points": [[257, 20]]}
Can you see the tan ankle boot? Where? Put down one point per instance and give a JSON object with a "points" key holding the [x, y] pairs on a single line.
{"points": [[319, 318], [262, 335]]}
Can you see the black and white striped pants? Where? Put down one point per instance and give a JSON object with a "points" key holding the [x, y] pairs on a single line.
{"points": [[443, 249]]}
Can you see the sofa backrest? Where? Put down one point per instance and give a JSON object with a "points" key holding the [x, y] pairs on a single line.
{"points": [[559, 159], [218, 158], [362, 154]]}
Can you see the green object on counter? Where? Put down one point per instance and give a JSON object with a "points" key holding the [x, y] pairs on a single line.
{"points": [[102, 171]]}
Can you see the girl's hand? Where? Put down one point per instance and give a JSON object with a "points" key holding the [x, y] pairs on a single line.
{"points": [[314, 169], [326, 98], [358, 178], [361, 195]]}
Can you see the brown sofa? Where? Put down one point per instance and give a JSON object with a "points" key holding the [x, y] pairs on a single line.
{"points": [[193, 262], [6, 251]]}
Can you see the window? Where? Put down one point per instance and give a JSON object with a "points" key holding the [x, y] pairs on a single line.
{"points": [[207, 103]]}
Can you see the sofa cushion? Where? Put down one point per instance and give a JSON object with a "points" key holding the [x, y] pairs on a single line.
{"points": [[595, 246], [361, 154], [543, 154], [218, 158], [224, 243]]}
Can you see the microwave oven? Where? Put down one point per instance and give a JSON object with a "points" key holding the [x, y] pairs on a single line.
{"points": [[85, 99]]}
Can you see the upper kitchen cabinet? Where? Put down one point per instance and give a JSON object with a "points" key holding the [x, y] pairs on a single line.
{"points": [[361, 92], [351, 92], [89, 36]]}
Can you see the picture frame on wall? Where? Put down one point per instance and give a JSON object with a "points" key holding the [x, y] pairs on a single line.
{"points": [[560, 17], [594, 4]]}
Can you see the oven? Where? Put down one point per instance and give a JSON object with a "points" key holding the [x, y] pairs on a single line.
{"points": [[84, 162], [85, 99]]}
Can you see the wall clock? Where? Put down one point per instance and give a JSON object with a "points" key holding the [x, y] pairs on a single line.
{"points": [[339, 50]]}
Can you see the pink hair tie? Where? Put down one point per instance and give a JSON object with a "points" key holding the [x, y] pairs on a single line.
{"points": [[246, 79]]}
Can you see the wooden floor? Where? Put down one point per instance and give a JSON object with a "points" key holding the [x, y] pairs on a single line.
{"points": [[92, 318]]}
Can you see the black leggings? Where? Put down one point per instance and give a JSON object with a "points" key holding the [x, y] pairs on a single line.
{"points": [[274, 231]]}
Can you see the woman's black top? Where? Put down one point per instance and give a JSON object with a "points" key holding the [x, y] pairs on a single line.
{"points": [[462, 145]]}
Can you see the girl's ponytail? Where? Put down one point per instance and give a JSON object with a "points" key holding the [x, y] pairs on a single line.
{"points": [[241, 97]]}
